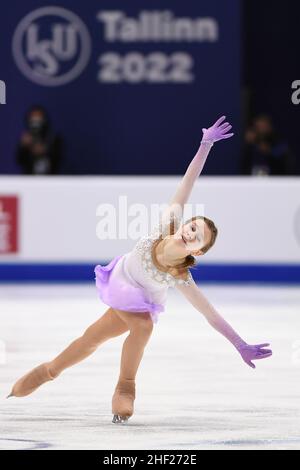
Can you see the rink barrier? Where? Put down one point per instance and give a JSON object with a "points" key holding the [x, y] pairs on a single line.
{"points": [[60, 220], [206, 273]]}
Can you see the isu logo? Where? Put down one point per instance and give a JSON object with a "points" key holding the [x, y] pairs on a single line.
{"points": [[51, 46]]}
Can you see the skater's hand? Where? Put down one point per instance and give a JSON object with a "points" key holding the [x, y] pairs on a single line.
{"points": [[253, 353], [218, 131]]}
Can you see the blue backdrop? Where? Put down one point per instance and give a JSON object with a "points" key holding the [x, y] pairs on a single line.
{"points": [[272, 65], [135, 125]]}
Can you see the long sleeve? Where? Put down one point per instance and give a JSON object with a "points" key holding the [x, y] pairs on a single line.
{"points": [[218, 131], [193, 171], [199, 301]]}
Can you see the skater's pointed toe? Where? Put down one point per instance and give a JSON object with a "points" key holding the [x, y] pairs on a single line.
{"points": [[32, 380]]}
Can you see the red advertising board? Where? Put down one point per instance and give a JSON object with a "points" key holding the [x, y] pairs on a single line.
{"points": [[9, 227]]}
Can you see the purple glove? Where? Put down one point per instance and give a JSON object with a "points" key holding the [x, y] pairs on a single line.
{"points": [[217, 132], [253, 353]]}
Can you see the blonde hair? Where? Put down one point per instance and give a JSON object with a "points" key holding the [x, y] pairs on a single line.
{"points": [[190, 260]]}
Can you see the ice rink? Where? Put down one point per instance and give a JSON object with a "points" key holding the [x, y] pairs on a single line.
{"points": [[193, 389]]}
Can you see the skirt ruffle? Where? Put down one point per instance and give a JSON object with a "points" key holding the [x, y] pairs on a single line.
{"points": [[119, 294]]}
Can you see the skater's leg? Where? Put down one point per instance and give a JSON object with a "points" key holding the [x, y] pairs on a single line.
{"points": [[108, 326], [140, 326]]}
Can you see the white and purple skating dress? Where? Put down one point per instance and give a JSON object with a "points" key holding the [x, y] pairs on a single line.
{"points": [[131, 282]]}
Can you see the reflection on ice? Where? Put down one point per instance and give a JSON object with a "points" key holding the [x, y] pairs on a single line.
{"points": [[193, 390]]}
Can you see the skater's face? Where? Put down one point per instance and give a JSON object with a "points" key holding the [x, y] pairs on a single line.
{"points": [[192, 236]]}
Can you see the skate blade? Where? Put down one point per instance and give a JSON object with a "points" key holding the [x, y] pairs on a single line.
{"points": [[119, 419]]}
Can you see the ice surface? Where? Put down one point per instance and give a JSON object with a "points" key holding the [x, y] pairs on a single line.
{"points": [[193, 390]]}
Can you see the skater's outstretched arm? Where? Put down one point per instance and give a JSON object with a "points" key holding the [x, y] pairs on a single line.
{"points": [[248, 352], [218, 131]]}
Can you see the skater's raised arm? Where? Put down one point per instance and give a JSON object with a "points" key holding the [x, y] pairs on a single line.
{"points": [[248, 352], [217, 132]]}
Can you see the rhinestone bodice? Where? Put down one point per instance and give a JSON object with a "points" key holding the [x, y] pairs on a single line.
{"points": [[144, 248]]}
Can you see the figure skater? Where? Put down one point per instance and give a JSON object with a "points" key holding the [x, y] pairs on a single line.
{"points": [[134, 286]]}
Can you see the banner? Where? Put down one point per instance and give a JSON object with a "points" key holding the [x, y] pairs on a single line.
{"points": [[128, 85], [64, 219]]}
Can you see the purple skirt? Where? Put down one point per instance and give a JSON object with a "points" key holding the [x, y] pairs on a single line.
{"points": [[114, 291]]}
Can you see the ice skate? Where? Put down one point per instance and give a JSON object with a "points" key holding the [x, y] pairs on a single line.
{"points": [[123, 401], [31, 381]]}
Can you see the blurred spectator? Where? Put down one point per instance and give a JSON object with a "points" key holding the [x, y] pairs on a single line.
{"points": [[39, 150], [265, 152]]}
